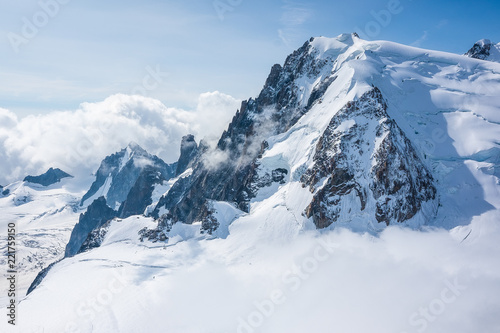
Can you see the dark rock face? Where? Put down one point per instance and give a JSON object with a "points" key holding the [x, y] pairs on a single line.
{"points": [[50, 177], [480, 50], [137, 200], [40, 276], [133, 174], [140, 194], [266, 178], [109, 167], [122, 170], [95, 238], [397, 181], [189, 149], [96, 215], [278, 175], [234, 179], [153, 235], [174, 197]]}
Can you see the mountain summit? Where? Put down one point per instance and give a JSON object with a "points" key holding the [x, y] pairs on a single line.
{"points": [[124, 186], [484, 49], [118, 173], [355, 133]]}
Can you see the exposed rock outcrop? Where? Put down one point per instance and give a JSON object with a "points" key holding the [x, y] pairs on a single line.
{"points": [[484, 49], [189, 149], [366, 159], [96, 215], [140, 194]]}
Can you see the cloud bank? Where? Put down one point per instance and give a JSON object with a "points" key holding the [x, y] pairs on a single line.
{"points": [[76, 141], [403, 281]]}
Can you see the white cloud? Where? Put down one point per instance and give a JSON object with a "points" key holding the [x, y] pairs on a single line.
{"points": [[293, 17], [76, 141], [215, 158], [442, 23], [7, 119], [335, 281], [422, 39], [403, 281], [213, 114]]}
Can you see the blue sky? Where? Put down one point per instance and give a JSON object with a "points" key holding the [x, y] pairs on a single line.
{"points": [[85, 51]]}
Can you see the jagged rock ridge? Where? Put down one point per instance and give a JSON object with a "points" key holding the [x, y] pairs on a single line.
{"points": [[280, 104], [371, 169], [40, 276]]}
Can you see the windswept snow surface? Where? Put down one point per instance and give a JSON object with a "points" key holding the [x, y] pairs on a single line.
{"points": [[270, 270]]}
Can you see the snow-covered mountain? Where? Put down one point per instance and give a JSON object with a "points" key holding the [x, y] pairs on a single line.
{"points": [[245, 236], [46, 207], [484, 49], [124, 186], [119, 172], [366, 134]]}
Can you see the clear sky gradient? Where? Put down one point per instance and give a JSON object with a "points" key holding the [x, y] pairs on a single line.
{"points": [[84, 51]]}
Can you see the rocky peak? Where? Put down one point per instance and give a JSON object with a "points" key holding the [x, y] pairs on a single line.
{"points": [[50, 177], [118, 173], [480, 50], [289, 92], [189, 149], [484, 49], [127, 177], [135, 147]]}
